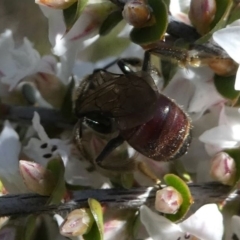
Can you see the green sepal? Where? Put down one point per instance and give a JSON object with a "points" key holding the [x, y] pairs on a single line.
{"points": [[67, 105], [110, 22], [72, 13], [225, 86], [177, 183], [155, 32], [96, 231], [127, 180], [57, 168]]}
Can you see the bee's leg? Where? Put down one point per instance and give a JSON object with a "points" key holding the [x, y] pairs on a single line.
{"points": [[111, 145], [129, 65], [146, 66], [142, 167], [107, 66]]}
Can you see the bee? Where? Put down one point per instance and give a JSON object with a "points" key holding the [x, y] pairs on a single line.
{"points": [[131, 105]]}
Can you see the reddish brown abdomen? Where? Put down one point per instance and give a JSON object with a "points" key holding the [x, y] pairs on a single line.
{"points": [[166, 136]]}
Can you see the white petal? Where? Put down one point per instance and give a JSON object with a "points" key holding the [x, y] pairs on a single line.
{"points": [[206, 223], [175, 91], [221, 136], [158, 227], [235, 23], [236, 225], [228, 39], [39, 128], [237, 81], [76, 173], [196, 154], [25, 59], [48, 64], [36, 153], [203, 175], [9, 156]]}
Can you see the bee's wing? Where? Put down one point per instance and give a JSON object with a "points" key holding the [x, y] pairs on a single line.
{"points": [[130, 99]]}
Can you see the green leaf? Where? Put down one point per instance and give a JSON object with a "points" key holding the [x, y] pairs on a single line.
{"points": [[225, 86], [235, 154], [110, 22], [67, 105], [167, 2], [127, 180], [182, 188], [106, 43], [72, 13], [234, 15], [30, 227], [157, 30], [221, 11], [96, 210], [93, 233], [57, 168], [168, 71]]}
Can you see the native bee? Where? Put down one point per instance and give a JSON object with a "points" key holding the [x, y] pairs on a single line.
{"points": [[131, 105]]}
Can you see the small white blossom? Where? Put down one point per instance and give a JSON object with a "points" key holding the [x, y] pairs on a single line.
{"points": [[43, 149], [224, 136], [16, 62], [196, 226], [9, 159], [228, 39]]}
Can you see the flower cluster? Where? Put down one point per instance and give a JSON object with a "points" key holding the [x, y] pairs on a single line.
{"points": [[197, 70]]}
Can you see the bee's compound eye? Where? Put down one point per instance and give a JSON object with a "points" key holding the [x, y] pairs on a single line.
{"points": [[100, 124]]}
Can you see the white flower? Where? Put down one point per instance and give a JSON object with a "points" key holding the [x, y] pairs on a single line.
{"points": [[235, 226], [193, 88], [9, 160], [43, 149], [224, 136], [16, 63], [228, 39], [205, 224], [83, 33]]}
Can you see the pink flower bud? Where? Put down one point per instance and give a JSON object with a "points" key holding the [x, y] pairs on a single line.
{"points": [[58, 4], [137, 13], [223, 168], [37, 178], [201, 14], [78, 222], [49, 86], [168, 200]]}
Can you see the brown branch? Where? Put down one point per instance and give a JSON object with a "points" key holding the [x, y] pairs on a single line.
{"points": [[23, 204]]}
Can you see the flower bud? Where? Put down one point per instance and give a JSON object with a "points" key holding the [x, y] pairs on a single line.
{"points": [[223, 67], [201, 14], [168, 200], [58, 4], [37, 178], [78, 222], [49, 86], [137, 13], [223, 168]]}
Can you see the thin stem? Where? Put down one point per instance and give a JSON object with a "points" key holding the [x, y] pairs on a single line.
{"points": [[15, 205], [24, 114]]}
